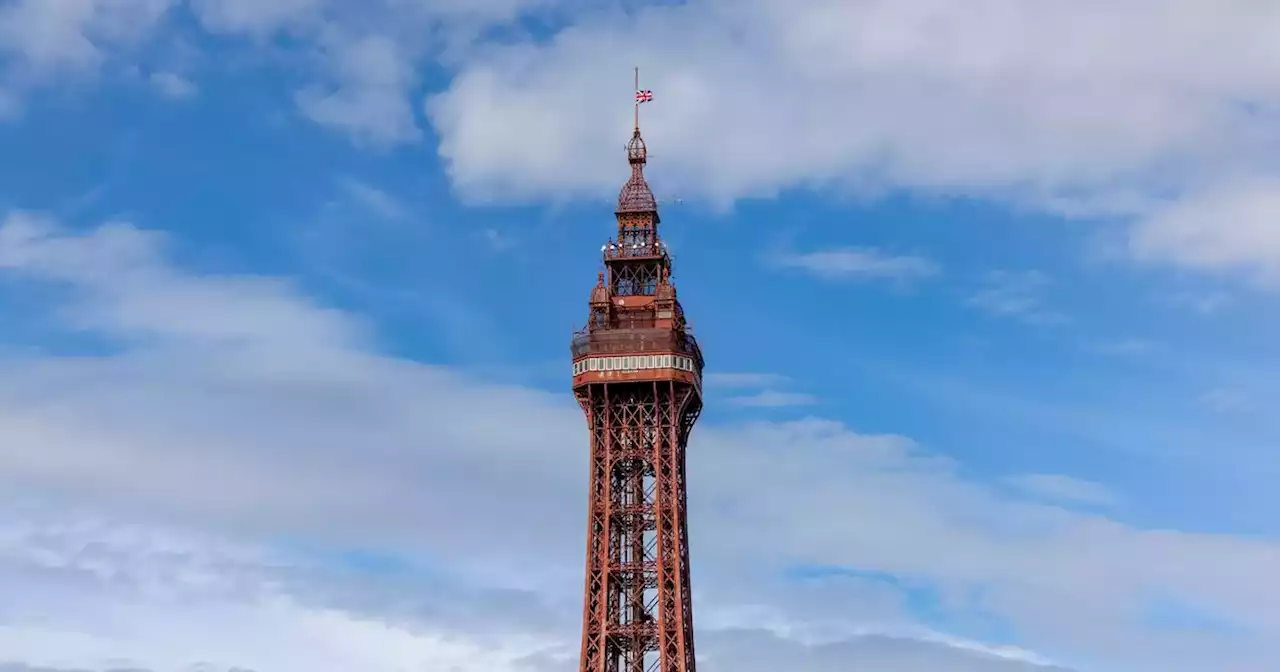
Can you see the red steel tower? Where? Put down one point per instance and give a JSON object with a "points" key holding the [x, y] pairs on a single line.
{"points": [[637, 372]]}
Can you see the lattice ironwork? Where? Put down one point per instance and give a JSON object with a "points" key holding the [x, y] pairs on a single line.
{"points": [[635, 279], [637, 607], [638, 612], [635, 196]]}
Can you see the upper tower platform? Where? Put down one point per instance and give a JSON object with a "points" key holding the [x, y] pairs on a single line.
{"points": [[637, 329]]}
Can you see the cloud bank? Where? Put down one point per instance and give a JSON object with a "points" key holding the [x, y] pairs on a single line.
{"points": [[237, 406]]}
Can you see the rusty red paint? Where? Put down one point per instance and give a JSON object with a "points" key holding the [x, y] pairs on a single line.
{"points": [[637, 603]]}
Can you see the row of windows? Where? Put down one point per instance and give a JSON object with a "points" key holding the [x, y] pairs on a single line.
{"points": [[636, 363]]}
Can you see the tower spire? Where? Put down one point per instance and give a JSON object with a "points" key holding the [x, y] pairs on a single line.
{"points": [[636, 197]]}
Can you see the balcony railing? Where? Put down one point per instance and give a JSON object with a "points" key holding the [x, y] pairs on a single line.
{"points": [[638, 341], [612, 250]]}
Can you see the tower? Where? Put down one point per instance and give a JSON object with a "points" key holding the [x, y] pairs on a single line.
{"points": [[637, 373]]}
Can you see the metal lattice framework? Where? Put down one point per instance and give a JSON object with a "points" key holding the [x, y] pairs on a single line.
{"points": [[636, 197], [638, 376]]}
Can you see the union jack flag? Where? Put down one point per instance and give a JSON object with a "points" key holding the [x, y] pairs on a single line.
{"points": [[644, 96]]}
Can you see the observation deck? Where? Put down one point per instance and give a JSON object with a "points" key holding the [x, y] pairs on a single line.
{"points": [[614, 251], [636, 354]]}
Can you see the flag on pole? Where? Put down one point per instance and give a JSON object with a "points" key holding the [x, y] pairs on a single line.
{"points": [[643, 96]]}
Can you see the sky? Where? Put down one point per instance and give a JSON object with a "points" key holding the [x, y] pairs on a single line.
{"points": [[987, 294]]}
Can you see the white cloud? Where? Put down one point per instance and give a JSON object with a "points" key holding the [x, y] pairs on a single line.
{"points": [[51, 36], [920, 92], [371, 75], [374, 114], [224, 388], [89, 594], [367, 52], [1230, 226], [84, 594], [855, 263], [174, 86], [1054, 104], [129, 293]]}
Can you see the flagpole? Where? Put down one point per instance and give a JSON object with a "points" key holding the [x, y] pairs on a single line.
{"points": [[637, 99]]}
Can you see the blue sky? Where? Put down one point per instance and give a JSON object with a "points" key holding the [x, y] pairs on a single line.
{"points": [[988, 330]]}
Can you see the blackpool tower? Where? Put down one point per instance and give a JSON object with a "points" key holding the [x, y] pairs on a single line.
{"points": [[637, 372]]}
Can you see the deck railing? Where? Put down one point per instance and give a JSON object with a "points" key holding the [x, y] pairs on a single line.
{"points": [[639, 341]]}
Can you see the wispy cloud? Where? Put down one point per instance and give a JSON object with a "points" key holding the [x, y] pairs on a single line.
{"points": [[758, 390], [1223, 400], [740, 380], [497, 240], [1016, 294], [366, 98], [774, 399], [376, 200], [173, 86], [1063, 488], [854, 263], [1203, 303]]}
